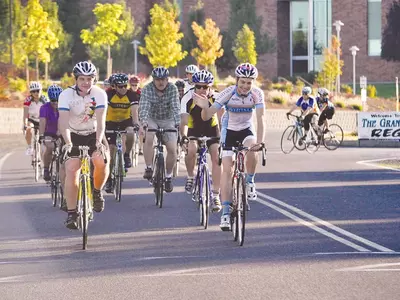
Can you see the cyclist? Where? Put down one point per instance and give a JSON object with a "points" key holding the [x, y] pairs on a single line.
{"points": [[121, 115], [159, 107], [106, 84], [180, 84], [134, 82], [309, 110], [48, 126], [190, 70], [31, 113], [82, 119], [193, 125], [111, 85], [236, 126], [326, 107]]}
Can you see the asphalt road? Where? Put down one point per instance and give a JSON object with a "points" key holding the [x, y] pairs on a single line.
{"points": [[324, 227]]}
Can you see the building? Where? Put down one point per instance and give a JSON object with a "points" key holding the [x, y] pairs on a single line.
{"points": [[301, 29]]}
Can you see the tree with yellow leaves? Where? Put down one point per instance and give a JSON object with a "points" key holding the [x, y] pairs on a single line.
{"points": [[330, 71], [39, 35], [162, 42], [209, 41], [245, 46]]}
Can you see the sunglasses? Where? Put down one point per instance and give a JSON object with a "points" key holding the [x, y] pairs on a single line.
{"points": [[199, 87], [305, 94], [35, 91], [122, 86], [53, 100]]}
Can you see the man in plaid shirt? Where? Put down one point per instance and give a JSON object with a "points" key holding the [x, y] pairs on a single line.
{"points": [[159, 107]]}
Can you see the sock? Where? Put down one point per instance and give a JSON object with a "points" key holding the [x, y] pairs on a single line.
{"points": [[168, 175], [96, 191], [226, 207], [149, 167], [250, 178], [71, 211]]}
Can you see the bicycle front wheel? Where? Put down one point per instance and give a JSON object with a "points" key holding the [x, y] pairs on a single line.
{"points": [[53, 183], [312, 142], [241, 209], [135, 151], [118, 176], [334, 138], [287, 141], [205, 197], [85, 211], [160, 180], [36, 156], [178, 159]]}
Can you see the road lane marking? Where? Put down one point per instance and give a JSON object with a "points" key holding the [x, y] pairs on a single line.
{"points": [[371, 163], [321, 222], [3, 159], [373, 268]]}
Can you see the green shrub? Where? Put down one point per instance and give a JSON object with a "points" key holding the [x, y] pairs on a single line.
{"points": [[298, 86], [278, 99], [345, 88], [356, 107], [371, 91], [3, 88], [339, 104], [283, 87], [67, 80], [17, 84]]}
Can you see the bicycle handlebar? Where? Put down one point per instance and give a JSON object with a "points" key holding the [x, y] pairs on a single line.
{"points": [[161, 130], [239, 148], [203, 138], [116, 131]]}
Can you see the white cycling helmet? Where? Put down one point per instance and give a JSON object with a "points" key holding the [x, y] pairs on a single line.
{"points": [[306, 90], [323, 92], [203, 76], [192, 69], [34, 86], [84, 68], [246, 70]]}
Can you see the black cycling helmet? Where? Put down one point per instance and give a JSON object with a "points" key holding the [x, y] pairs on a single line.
{"points": [[120, 79], [180, 84]]}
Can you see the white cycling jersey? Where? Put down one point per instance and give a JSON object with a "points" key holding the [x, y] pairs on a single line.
{"points": [[34, 107], [82, 117], [188, 86], [238, 109]]}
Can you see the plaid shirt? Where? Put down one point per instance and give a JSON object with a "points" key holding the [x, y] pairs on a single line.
{"points": [[166, 107]]}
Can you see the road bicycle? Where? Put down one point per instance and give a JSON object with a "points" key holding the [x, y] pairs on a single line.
{"points": [[202, 193], [57, 194], [239, 195], [136, 147], [291, 136], [118, 171], [159, 165]]}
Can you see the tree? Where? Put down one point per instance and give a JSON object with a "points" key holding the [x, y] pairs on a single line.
{"points": [[245, 46], [244, 12], [391, 34], [196, 14], [39, 34], [162, 42], [108, 29], [330, 70], [209, 43]]}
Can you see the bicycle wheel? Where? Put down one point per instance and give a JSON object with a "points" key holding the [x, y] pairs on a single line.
{"points": [[85, 211], [36, 160], [135, 151], [178, 160], [298, 142], [205, 203], [334, 138], [312, 142], [287, 142], [160, 183], [241, 209], [57, 183], [118, 176]]}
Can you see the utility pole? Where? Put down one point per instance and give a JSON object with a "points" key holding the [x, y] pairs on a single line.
{"points": [[11, 33]]}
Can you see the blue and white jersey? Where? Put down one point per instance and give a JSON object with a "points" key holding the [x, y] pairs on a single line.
{"points": [[306, 104], [321, 101], [238, 109]]}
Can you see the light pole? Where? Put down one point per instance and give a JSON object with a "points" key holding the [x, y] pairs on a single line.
{"points": [[135, 46], [11, 33], [354, 50], [338, 24]]}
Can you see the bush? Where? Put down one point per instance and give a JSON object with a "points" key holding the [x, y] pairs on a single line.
{"points": [[298, 86], [286, 87], [277, 99], [339, 104], [67, 80], [3, 88], [371, 91], [17, 84], [356, 107], [345, 88]]}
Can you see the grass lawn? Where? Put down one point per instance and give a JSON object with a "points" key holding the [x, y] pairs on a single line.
{"points": [[385, 90]]}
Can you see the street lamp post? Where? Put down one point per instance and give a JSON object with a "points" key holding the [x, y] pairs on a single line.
{"points": [[135, 46], [354, 50], [338, 24]]}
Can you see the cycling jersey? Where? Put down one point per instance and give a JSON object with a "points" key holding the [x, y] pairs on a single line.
{"points": [[34, 107], [195, 121], [238, 109], [119, 108], [322, 101], [188, 86], [306, 104], [82, 117], [47, 112]]}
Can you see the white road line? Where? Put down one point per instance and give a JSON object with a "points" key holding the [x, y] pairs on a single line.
{"points": [[371, 163], [322, 222], [374, 268], [3, 159], [314, 227]]}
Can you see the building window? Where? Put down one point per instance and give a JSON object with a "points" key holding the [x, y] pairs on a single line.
{"points": [[299, 37], [322, 29], [374, 27]]}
